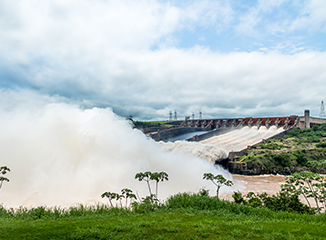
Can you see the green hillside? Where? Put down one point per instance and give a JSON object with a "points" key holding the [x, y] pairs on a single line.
{"points": [[299, 150]]}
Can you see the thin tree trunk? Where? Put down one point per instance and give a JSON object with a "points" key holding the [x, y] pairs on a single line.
{"points": [[312, 191], [110, 202], [149, 188], [306, 199], [217, 191], [138, 196]]}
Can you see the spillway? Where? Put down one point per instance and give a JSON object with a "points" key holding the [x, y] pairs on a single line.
{"points": [[239, 139], [218, 147]]}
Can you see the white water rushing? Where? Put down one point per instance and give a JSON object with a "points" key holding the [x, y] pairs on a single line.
{"points": [[61, 155], [209, 152], [239, 139], [218, 147]]}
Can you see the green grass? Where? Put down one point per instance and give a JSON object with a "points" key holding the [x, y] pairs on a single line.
{"points": [[156, 124], [163, 225], [183, 216]]}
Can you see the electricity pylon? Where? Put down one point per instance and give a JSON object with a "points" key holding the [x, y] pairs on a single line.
{"points": [[322, 110]]}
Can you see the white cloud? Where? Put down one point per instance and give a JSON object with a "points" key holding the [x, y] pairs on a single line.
{"points": [[208, 13], [312, 18], [98, 53], [248, 21]]}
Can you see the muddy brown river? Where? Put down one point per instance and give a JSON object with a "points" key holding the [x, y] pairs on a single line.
{"points": [[261, 183]]}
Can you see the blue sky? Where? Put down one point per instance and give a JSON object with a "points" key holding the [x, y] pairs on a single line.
{"points": [[147, 58]]}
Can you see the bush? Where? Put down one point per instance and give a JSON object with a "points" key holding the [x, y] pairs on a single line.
{"points": [[301, 159], [321, 145], [149, 204], [282, 201], [282, 160]]}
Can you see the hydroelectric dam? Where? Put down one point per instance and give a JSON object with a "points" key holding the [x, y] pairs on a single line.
{"points": [[231, 137]]}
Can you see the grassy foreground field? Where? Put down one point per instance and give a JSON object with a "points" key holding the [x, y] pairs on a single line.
{"points": [[172, 220]]}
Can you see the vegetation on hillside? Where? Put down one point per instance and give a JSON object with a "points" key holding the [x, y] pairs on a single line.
{"points": [[153, 124], [299, 150]]}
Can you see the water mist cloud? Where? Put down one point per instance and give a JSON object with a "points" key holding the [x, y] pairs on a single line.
{"points": [[61, 155]]}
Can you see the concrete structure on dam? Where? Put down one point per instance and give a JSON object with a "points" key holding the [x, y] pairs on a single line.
{"points": [[219, 126], [306, 121], [222, 125]]}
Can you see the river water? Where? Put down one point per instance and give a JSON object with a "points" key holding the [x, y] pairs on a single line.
{"points": [[258, 184], [184, 136]]}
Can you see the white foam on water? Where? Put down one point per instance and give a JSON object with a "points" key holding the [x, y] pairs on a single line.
{"points": [[209, 152], [218, 147], [239, 139]]}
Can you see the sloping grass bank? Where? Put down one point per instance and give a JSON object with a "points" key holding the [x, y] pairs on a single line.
{"points": [[183, 216], [299, 150]]}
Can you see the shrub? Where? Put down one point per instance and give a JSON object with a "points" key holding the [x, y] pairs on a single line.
{"points": [[282, 160], [149, 204], [301, 159], [282, 201], [321, 145]]}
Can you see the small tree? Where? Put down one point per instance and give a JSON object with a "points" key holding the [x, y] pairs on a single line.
{"points": [[146, 176], [3, 171], [159, 177], [119, 197], [307, 184], [218, 181], [127, 193], [111, 196]]}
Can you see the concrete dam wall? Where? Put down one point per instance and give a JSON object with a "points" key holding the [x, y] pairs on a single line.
{"points": [[220, 126]]}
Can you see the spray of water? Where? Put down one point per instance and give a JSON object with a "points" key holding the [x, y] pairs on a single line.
{"points": [[239, 139], [61, 155], [209, 152], [218, 147]]}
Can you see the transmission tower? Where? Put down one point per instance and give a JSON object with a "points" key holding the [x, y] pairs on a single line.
{"points": [[322, 110], [193, 116], [175, 116], [170, 118], [200, 115]]}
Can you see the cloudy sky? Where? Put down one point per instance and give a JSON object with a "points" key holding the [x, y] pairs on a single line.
{"points": [[145, 58]]}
